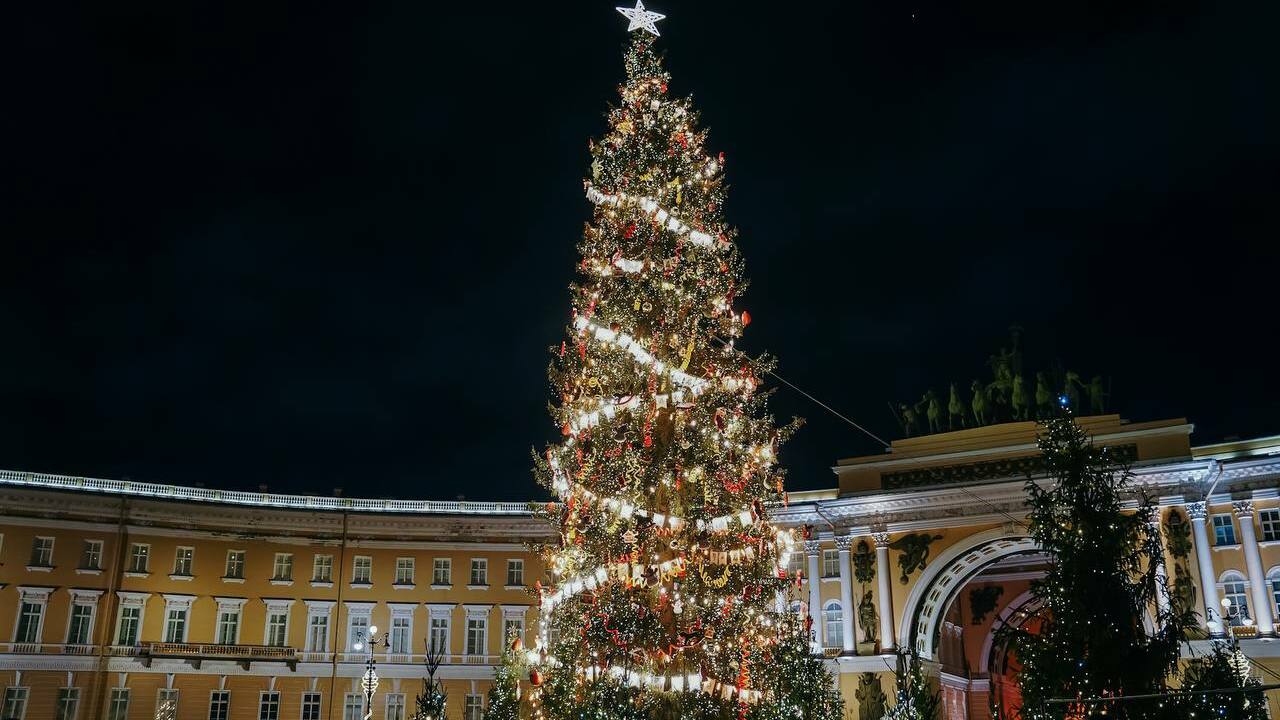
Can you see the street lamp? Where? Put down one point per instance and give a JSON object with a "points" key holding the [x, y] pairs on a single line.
{"points": [[368, 640]]}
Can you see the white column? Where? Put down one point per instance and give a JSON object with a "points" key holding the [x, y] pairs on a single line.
{"points": [[1253, 563], [812, 548], [846, 594], [887, 643], [1204, 558], [1162, 575]]}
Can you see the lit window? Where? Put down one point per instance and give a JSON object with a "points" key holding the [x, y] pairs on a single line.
{"points": [[167, 704], [310, 706], [219, 704], [479, 571], [68, 704], [515, 572], [833, 623], [1270, 520], [182, 561], [91, 557], [139, 560], [322, 569], [118, 707], [440, 571], [473, 708], [15, 702], [830, 563], [235, 564], [269, 706], [283, 568], [404, 571], [1224, 533], [42, 552], [395, 707], [363, 571], [476, 629]]}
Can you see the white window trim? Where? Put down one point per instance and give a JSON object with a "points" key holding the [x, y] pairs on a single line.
{"points": [[413, 575], [315, 582], [177, 602], [57, 699], [514, 612], [274, 606], [130, 599], [226, 562], [229, 604], [442, 611], [356, 610], [26, 698], [38, 596], [262, 697], [128, 564], [476, 612], [47, 567], [471, 573], [175, 575], [402, 610], [275, 561], [218, 691], [448, 564], [84, 598], [361, 584], [319, 608], [302, 702]]}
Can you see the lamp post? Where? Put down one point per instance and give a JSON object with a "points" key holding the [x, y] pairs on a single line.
{"points": [[368, 640]]}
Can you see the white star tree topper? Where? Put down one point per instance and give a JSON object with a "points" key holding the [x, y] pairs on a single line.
{"points": [[641, 19]]}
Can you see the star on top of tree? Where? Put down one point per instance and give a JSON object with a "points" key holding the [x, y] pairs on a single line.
{"points": [[641, 19]]}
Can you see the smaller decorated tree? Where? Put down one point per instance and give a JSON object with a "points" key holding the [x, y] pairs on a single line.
{"points": [[504, 694], [915, 698], [430, 702], [1221, 686], [799, 682]]}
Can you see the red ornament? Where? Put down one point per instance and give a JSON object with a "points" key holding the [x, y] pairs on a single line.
{"points": [[535, 677], [517, 644], [631, 230], [565, 430], [746, 318]]}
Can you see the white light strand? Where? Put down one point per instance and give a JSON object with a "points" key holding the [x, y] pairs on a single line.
{"points": [[661, 215], [695, 385]]}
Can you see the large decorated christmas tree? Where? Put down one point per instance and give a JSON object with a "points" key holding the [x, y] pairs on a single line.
{"points": [[663, 590]]}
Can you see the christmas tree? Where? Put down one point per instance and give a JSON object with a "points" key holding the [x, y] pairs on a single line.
{"points": [[504, 694], [663, 589], [1221, 686], [1102, 579], [915, 699], [430, 702]]}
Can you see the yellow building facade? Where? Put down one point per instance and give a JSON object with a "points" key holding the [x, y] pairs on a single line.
{"points": [[118, 599]]}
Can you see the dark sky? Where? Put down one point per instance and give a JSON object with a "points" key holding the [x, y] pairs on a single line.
{"points": [[327, 244]]}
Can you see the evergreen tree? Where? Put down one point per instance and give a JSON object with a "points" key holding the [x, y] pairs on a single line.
{"points": [[430, 702], [504, 694], [1101, 580], [802, 687], [1223, 670], [660, 593], [915, 698]]}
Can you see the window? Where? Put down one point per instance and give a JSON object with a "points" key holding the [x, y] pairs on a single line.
{"points": [[515, 572], [310, 706], [395, 707], [219, 704], [353, 707], [228, 626], [404, 571], [167, 704], [139, 561], [277, 627], [1224, 533], [363, 570], [80, 625], [269, 706], [438, 635], [479, 571], [30, 617], [357, 631], [833, 619], [473, 708], [795, 562], [476, 628], [1274, 582], [1233, 589], [511, 628], [322, 569], [91, 558], [235, 564], [175, 625], [42, 552], [440, 571], [1270, 521], [830, 563], [400, 628], [130, 619], [15, 703], [318, 633], [118, 706], [67, 704], [283, 569], [182, 560]]}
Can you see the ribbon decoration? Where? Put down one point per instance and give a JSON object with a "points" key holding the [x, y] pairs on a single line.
{"points": [[660, 215]]}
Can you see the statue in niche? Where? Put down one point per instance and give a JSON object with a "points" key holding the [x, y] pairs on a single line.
{"points": [[1097, 396], [982, 600], [1044, 396], [1018, 399], [870, 696], [868, 618], [1182, 597], [979, 403], [864, 563], [915, 553], [1177, 534], [933, 411], [955, 409]]}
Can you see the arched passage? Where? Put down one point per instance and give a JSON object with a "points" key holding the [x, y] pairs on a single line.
{"points": [[928, 600]]}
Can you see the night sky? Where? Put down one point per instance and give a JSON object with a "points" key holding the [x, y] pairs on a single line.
{"points": [[327, 244]]}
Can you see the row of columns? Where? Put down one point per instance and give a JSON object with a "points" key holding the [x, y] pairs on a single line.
{"points": [[1243, 510], [848, 630]]}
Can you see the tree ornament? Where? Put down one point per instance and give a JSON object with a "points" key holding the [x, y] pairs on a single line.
{"points": [[746, 318], [640, 19]]}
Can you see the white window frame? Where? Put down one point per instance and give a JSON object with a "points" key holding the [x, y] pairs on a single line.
{"points": [[365, 563], [67, 696], [114, 712], [184, 566], [282, 568], [473, 707], [266, 700], [401, 613], [515, 572], [219, 703], [352, 706], [359, 617], [512, 615], [1224, 531], [83, 599], [238, 559], [41, 552], [440, 622], [1234, 585], [317, 609], [229, 606], [395, 701], [830, 563], [91, 555], [833, 623], [15, 696], [476, 627], [479, 577], [275, 607], [161, 695], [439, 565], [39, 598], [130, 600], [311, 700], [177, 604], [134, 554], [1269, 522], [325, 563], [404, 572]]}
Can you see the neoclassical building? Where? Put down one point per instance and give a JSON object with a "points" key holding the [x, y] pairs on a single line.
{"points": [[118, 599]]}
